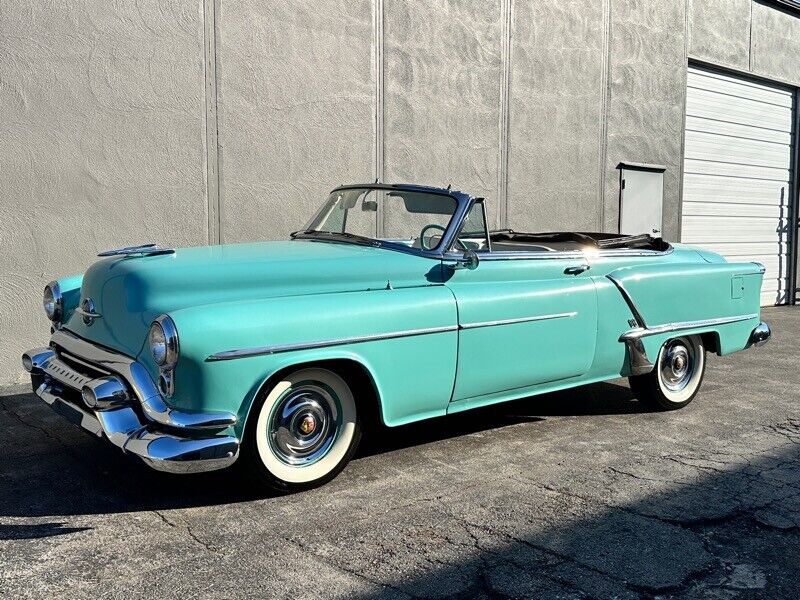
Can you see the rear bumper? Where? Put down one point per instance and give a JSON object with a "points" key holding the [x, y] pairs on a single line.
{"points": [[169, 440]]}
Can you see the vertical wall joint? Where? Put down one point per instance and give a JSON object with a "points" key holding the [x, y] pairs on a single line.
{"points": [[506, 16], [380, 107], [605, 98], [212, 129]]}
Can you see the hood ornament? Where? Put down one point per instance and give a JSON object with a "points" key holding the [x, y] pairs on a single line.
{"points": [[87, 310], [143, 250]]}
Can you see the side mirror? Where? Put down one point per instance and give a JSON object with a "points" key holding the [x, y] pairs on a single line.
{"points": [[469, 261]]}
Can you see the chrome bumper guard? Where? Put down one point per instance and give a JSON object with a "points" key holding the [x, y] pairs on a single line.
{"points": [[760, 335], [118, 400]]}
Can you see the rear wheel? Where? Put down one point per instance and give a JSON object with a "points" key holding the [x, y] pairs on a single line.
{"points": [[677, 375], [302, 431]]}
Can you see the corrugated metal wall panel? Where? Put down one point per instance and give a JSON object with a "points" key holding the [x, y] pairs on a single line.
{"points": [[737, 173]]}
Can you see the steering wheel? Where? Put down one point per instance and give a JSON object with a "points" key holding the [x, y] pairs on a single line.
{"points": [[440, 228]]}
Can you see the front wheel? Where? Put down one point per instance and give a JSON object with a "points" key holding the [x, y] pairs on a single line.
{"points": [[302, 431], [677, 375]]}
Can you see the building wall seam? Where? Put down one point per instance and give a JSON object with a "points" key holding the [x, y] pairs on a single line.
{"points": [[605, 98], [380, 105], [686, 45], [211, 120], [506, 15]]}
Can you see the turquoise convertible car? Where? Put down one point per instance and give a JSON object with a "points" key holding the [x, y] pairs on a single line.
{"points": [[395, 303]]}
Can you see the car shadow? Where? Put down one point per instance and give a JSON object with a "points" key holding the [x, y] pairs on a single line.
{"points": [[53, 469], [597, 399]]}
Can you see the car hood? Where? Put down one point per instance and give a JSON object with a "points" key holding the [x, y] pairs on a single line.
{"points": [[129, 292]]}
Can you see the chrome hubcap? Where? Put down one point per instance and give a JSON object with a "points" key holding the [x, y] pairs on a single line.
{"points": [[304, 424], [677, 364]]}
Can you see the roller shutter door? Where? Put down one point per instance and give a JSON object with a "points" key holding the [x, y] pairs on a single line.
{"points": [[737, 173]]}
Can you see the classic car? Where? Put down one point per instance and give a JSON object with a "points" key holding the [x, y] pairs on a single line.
{"points": [[395, 303]]}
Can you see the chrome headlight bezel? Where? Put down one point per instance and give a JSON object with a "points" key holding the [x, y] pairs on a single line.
{"points": [[162, 339], [52, 297]]}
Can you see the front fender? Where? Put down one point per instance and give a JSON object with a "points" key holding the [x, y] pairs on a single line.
{"points": [[406, 339]]}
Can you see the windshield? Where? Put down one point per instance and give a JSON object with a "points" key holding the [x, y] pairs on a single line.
{"points": [[416, 219]]}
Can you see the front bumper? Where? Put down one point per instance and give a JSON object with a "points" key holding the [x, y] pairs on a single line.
{"points": [[133, 416]]}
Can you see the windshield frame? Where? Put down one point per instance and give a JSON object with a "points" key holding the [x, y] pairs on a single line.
{"points": [[463, 204]]}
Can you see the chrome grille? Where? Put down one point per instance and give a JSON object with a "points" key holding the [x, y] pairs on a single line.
{"points": [[63, 373], [81, 365]]}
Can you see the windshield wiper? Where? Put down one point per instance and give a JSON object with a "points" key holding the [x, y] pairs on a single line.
{"points": [[337, 236]]}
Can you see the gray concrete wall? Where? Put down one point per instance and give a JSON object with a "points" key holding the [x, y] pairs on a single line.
{"points": [[748, 36], [442, 77], [198, 121], [297, 107], [101, 144], [646, 100], [557, 115]]}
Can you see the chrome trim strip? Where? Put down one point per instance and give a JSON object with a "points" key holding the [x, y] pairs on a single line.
{"points": [[628, 300], [520, 320], [278, 349], [589, 254], [640, 332], [281, 348]]}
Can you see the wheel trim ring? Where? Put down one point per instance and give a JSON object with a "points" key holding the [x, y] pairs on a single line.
{"points": [[305, 450], [677, 364]]}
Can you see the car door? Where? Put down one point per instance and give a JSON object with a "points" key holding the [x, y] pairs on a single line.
{"points": [[523, 320]]}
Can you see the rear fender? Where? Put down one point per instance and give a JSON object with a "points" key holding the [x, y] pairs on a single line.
{"points": [[666, 301]]}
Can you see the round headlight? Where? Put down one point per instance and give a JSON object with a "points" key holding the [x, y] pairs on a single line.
{"points": [[163, 340], [52, 301]]}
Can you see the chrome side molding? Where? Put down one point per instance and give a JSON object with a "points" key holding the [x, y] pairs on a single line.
{"points": [[143, 250], [640, 332], [565, 315], [281, 348]]}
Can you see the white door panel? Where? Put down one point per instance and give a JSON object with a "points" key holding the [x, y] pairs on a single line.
{"points": [[737, 173], [714, 188], [734, 86]]}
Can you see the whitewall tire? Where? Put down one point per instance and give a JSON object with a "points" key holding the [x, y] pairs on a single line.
{"points": [[677, 375], [303, 430]]}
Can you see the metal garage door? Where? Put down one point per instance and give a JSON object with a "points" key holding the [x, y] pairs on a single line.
{"points": [[737, 173]]}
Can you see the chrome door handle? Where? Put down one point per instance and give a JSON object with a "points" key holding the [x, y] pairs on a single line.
{"points": [[576, 270]]}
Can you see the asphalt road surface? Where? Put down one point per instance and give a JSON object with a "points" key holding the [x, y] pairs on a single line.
{"points": [[578, 494]]}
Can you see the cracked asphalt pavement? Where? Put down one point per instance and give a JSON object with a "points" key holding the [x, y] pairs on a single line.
{"points": [[577, 494]]}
